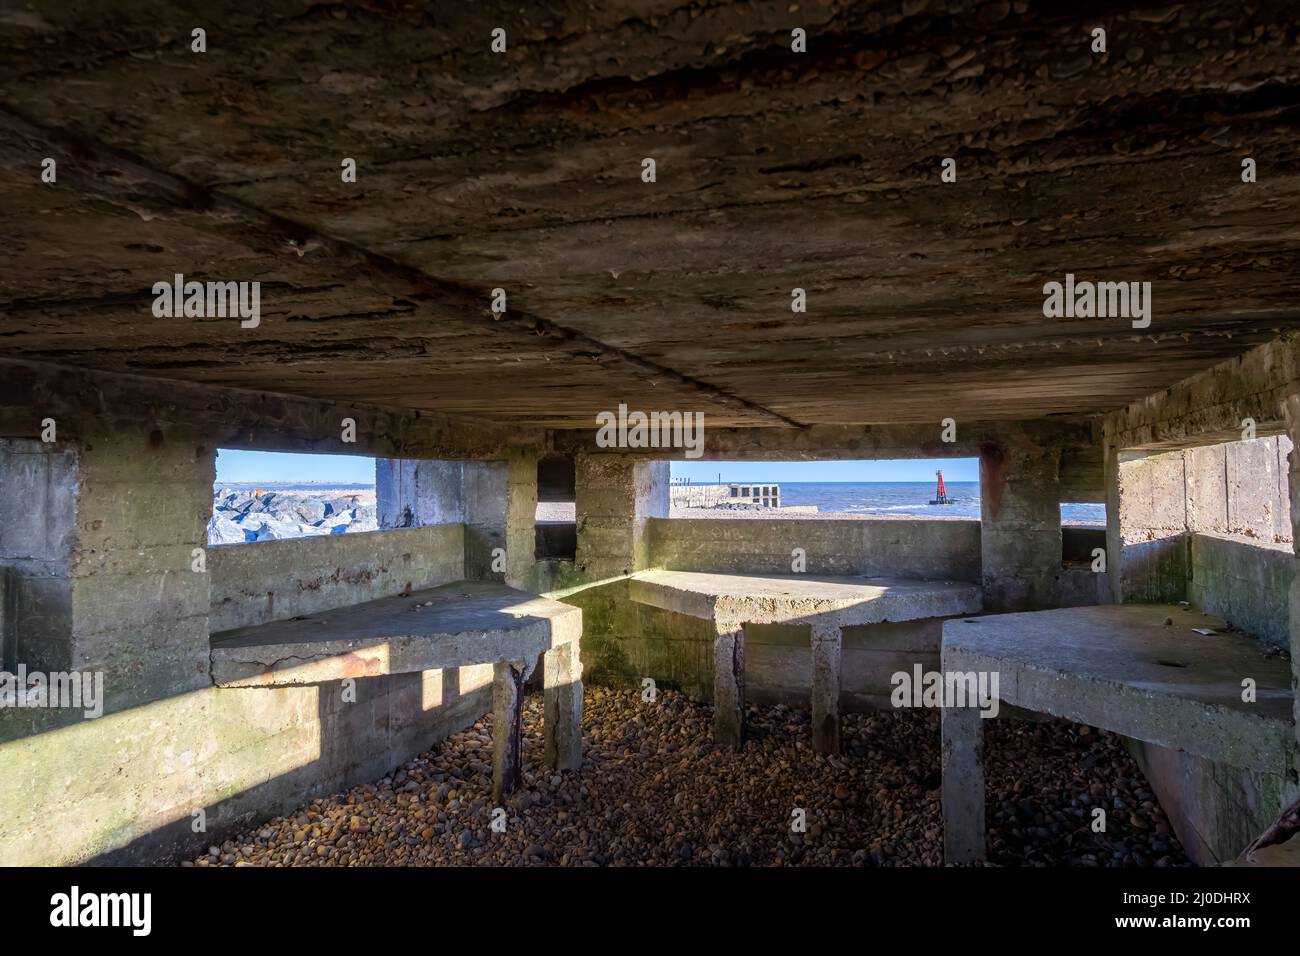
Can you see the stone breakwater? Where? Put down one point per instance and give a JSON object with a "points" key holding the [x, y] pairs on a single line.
{"points": [[241, 516], [654, 791]]}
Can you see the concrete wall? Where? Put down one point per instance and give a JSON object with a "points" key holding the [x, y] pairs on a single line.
{"points": [[495, 500], [1236, 489], [273, 580], [126, 787], [939, 549], [413, 493], [1245, 582], [1151, 517], [1240, 488], [778, 662]]}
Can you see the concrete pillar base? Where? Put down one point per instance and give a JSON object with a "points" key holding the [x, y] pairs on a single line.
{"points": [[729, 686], [562, 695], [507, 730], [963, 785], [827, 642]]}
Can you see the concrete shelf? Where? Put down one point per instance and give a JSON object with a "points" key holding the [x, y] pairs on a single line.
{"points": [[802, 598], [454, 625], [826, 604], [465, 622]]}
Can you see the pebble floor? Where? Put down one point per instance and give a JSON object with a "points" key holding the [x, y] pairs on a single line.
{"points": [[654, 791]]}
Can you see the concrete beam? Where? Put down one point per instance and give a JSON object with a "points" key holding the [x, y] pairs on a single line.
{"points": [[1210, 406], [88, 403], [840, 442]]}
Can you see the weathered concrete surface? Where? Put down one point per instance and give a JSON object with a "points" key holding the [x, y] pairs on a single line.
{"points": [[937, 550], [448, 627], [125, 788], [274, 580], [466, 622], [1163, 499], [1244, 581], [521, 518], [625, 641], [1240, 488], [1122, 668], [840, 442], [1147, 525], [1065, 159], [801, 598]]}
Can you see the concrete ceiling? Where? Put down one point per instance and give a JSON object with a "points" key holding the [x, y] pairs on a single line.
{"points": [[775, 170]]}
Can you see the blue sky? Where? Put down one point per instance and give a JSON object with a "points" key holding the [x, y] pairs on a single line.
{"points": [[278, 466], [281, 466], [917, 469]]}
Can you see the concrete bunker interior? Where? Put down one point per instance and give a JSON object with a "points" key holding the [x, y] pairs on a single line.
{"points": [[500, 273]]}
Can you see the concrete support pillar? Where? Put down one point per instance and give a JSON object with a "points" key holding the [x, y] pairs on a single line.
{"points": [[484, 503], [615, 497], [507, 731], [139, 609], [521, 519], [729, 685], [1020, 534], [827, 641], [500, 514], [562, 695], [963, 785]]}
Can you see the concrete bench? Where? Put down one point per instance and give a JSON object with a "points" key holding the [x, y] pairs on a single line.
{"points": [[825, 604], [454, 625], [1118, 667]]}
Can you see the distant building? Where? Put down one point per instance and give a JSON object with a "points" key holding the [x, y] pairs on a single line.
{"points": [[684, 494], [767, 496]]}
